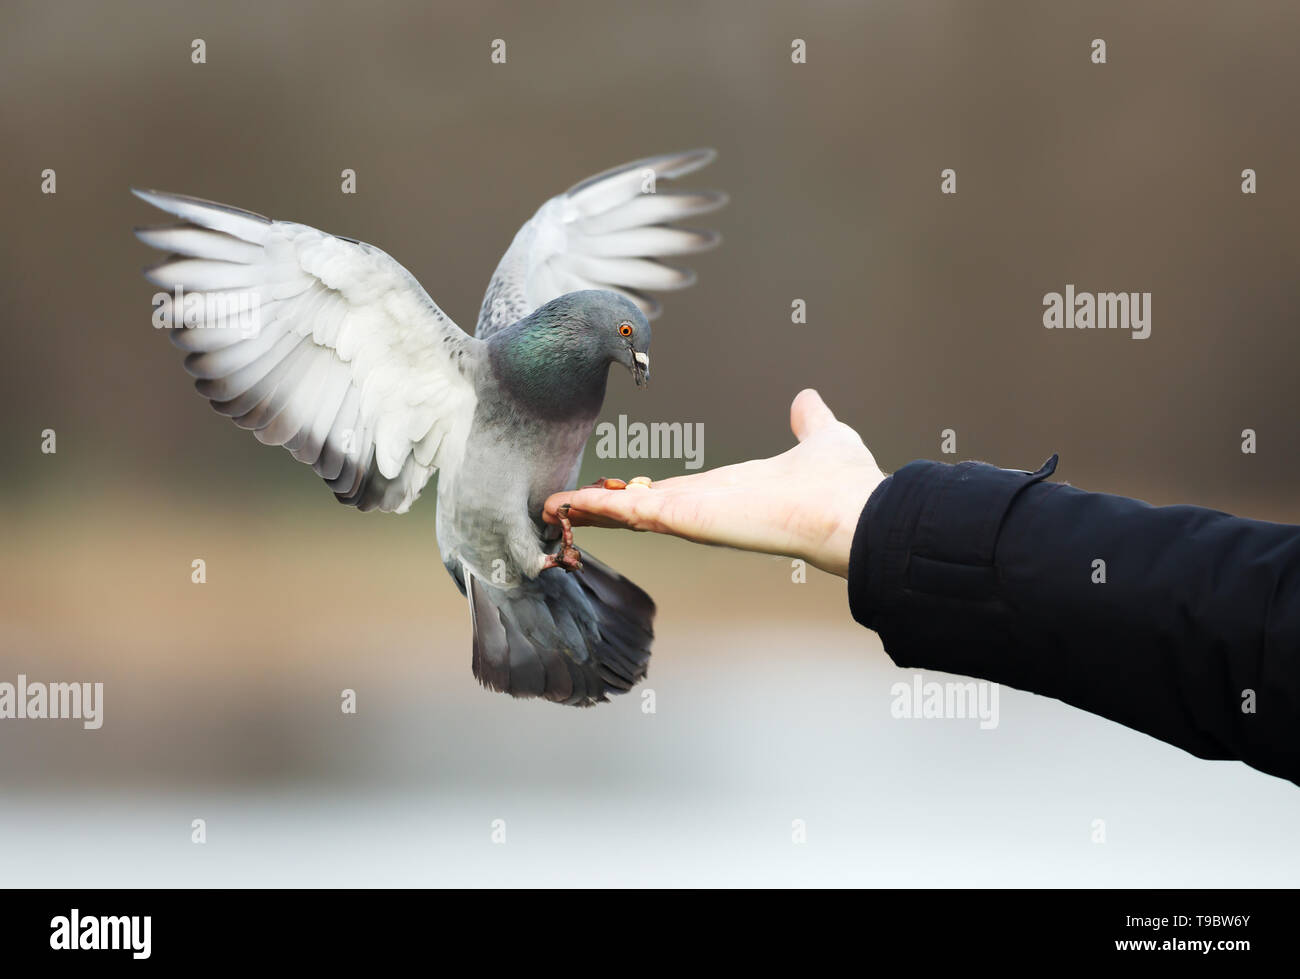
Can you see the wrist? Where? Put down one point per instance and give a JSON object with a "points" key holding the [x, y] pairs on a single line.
{"points": [[835, 555]]}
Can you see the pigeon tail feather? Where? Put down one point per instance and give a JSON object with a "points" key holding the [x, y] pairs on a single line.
{"points": [[572, 638]]}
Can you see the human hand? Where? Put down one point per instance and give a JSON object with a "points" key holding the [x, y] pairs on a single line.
{"points": [[803, 503]]}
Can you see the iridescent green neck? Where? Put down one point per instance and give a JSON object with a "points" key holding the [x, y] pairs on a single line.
{"points": [[551, 367]]}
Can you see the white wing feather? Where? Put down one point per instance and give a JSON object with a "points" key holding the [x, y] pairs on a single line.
{"points": [[608, 232], [345, 360]]}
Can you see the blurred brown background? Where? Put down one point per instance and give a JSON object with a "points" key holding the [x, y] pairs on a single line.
{"points": [[924, 313]]}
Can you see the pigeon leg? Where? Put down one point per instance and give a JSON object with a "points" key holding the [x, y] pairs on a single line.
{"points": [[568, 557]]}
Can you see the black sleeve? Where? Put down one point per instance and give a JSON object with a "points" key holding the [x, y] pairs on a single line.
{"points": [[1189, 631]]}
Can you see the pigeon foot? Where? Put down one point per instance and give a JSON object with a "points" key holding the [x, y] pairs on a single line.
{"points": [[568, 557]]}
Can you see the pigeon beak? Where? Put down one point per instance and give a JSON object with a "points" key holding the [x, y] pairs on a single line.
{"points": [[641, 369]]}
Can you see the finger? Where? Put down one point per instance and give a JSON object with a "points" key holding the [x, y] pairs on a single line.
{"points": [[581, 518], [809, 414], [708, 479], [590, 507], [553, 503]]}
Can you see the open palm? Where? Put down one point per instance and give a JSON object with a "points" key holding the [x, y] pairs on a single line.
{"points": [[803, 503]]}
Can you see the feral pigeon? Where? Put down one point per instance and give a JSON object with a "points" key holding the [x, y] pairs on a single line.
{"points": [[327, 346]]}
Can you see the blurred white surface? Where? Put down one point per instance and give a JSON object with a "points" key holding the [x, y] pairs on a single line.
{"points": [[785, 725]]}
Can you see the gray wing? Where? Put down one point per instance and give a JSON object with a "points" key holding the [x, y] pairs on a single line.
{"points": [[323, 345], [608, 232]]}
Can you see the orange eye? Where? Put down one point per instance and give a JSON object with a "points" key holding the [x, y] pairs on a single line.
{"points": [[625, 329]]}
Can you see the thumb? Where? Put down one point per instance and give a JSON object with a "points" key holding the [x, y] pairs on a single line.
{"points": [[809, 414]]}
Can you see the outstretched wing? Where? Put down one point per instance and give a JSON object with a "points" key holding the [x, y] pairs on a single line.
{"points": [[608, 232], [323, 345]]}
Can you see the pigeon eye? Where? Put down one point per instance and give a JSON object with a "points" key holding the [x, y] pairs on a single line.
{"points": [[625, 329]]}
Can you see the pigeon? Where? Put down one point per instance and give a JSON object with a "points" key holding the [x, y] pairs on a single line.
{"points": [[328, 347]]}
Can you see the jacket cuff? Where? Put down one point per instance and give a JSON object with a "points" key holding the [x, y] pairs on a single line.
{"points": [[932, 528]]}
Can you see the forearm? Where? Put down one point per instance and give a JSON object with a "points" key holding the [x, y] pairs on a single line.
{"points": [[1192, 615]]}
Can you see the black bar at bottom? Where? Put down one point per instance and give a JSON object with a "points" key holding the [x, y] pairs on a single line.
{"points": [[175, 928]]}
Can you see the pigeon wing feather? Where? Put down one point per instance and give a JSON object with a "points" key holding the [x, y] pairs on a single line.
{"points": [[608, 232], [321, 344]]}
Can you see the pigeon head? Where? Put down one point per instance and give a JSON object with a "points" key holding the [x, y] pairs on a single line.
{"points": [[615, 328], [556, 360]]}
